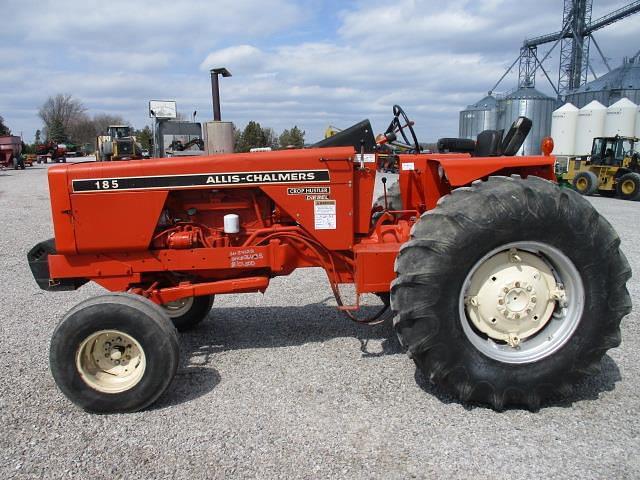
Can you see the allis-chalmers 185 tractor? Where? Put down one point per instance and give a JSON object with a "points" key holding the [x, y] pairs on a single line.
{"points": [[506, 289]]}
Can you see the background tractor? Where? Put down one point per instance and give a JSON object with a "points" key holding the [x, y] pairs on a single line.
{"points": [[51, 151], [612, 169], [118, 144], [505, 289]]}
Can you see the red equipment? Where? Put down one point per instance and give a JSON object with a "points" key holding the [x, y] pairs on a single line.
{"points": [[10, 150], [51, 150], [165, 232]]}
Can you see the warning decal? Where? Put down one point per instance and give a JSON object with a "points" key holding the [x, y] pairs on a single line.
{"points": [[324, 213]]}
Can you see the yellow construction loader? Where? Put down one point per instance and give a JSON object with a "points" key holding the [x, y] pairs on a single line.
{"points": [[117, 144], [612, 169]]}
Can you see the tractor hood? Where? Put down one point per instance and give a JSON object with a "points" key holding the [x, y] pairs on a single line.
{"points": [[117, 199]]}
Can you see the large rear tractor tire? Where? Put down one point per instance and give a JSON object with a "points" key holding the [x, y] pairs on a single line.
{"points": [[510, 291], [186, 313], [628, 186], [114, 353], [586, 183]]}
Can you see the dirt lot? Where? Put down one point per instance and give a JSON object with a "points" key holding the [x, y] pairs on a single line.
{"points": [[281, 385]]}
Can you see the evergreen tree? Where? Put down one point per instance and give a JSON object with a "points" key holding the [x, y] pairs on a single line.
{"points": [[37, 140], [253, 136], [27, 149], [270, 137], [145, 137], [55, 132], [4, 130], [292, 138], [237, 139]]}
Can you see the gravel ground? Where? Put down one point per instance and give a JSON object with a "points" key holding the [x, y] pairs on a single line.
{"points": [[281, 385]]}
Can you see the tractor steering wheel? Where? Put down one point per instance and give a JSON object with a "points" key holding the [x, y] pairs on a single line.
{"points": [[398, 124]]}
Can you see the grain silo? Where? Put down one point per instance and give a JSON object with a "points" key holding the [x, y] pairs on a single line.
{"points": [[621, 82], [478, 117], [563, 129], [590, 124], [621, 119], [533, 104]]}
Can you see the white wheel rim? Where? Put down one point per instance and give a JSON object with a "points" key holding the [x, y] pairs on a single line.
{"points": [[521, 302], [110, 361], [178, 308]]}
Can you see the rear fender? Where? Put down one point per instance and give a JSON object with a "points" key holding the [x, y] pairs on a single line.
{"points": [[461, 171], [424, 179]]}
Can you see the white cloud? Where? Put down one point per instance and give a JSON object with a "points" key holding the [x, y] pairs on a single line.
{"points": [[408, 19], [293, 62], [127, 61], [320, 83], [147, 25], [239, 58]]}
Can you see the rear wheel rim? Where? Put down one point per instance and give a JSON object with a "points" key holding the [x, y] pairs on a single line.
{"points": [[178, 308], [110, 361], [627, 187], [500, 298]]}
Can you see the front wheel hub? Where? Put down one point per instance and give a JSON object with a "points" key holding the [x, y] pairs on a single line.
{"points": [[110, 361]]}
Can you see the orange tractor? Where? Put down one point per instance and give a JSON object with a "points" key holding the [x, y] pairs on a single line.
{"points": [[505, 289]]}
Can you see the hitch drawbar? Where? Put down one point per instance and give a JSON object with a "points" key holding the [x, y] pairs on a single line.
{"points": [[38, 258]]}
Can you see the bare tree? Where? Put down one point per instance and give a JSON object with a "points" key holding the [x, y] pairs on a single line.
{"points": [[59, 111], [102, 120], [82, 129]]}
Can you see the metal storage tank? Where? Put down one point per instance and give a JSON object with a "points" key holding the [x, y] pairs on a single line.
{"points": [[637, 134], [533, 104], [621, 119], [478, 117], [590, 125], [563, 129], [621, 82]]}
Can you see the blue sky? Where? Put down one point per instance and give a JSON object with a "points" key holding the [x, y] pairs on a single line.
{"points": [[307, 63]]}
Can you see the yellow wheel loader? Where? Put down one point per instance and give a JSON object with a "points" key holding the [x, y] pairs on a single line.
{"points": [[612, 169], [117, 144]]}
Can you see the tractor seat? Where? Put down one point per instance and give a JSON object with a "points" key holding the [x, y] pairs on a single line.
{"points": [[488, 143]]}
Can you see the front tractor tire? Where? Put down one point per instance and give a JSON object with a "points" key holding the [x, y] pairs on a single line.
{"points": [[510, 291], [114, 353], [188, 312], [586, 183]]}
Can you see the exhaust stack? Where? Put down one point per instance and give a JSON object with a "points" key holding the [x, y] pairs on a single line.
{"points": [[215, 90], [218, 135]]}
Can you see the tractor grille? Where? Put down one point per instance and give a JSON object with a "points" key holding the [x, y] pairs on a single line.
{"points": [[125, 147]]}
